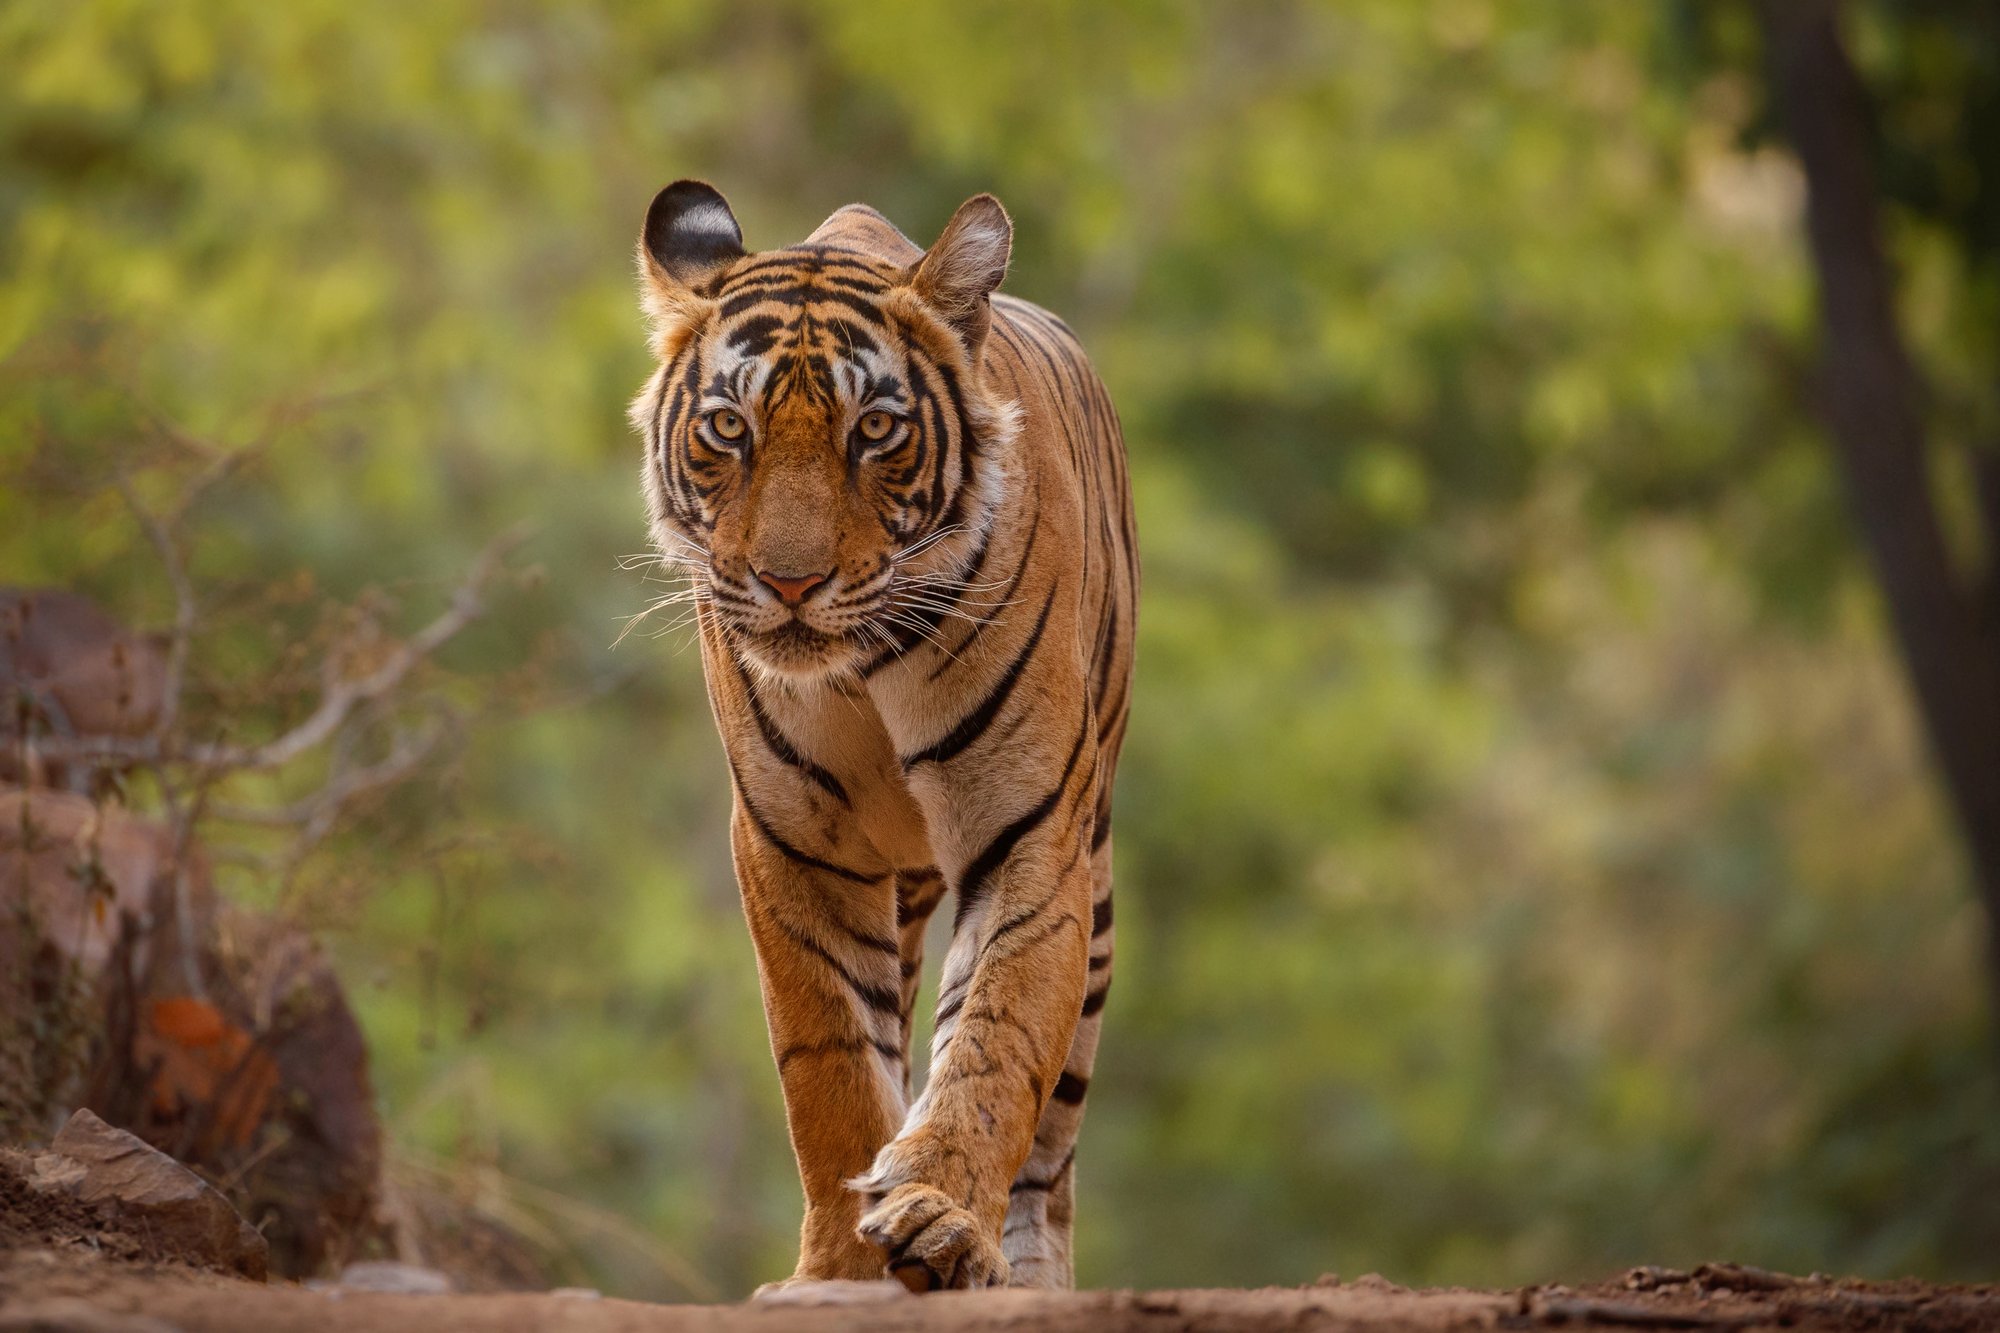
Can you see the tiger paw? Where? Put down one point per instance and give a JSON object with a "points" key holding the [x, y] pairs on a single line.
{"points": [[932, 1244]]}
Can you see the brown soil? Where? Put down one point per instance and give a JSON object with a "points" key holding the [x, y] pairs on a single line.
{"points": [[71, 1288], [31, 1218]]}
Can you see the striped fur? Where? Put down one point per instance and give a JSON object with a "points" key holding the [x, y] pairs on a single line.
{"points": [[939, 714]]}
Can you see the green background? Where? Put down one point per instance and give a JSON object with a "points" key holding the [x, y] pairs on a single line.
{"points": [[1528, 862]]}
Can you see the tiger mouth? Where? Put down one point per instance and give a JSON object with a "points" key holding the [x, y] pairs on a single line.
{"points": [[797, 648], [797, 636]]}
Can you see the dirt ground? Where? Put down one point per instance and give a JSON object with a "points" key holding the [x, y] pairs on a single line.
{"points": [[77, 1290]]}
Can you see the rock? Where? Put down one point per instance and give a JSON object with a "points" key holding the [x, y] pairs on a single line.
{"points": [[75, 671], [1377, 1283], [90, 926], [110, 1168], [402, 1279]]}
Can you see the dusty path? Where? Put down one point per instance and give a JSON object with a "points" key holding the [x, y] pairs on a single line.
{"points": [[44, 1289]]}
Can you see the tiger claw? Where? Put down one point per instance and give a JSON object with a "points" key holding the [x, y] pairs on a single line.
{"points": [[931, 1243]]}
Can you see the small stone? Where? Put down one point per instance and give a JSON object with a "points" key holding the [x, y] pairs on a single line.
{"points": [[1377, 1283], [1651, 1277], [577, 1294], [400, 1279]]}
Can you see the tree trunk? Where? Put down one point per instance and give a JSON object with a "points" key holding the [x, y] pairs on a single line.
{"points": [[1873, 401]]}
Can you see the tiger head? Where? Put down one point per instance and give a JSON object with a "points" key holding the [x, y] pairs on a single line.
{"points": [[823, 452]]}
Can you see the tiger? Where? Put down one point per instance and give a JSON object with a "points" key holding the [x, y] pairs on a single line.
{"points": [[902, 504]]}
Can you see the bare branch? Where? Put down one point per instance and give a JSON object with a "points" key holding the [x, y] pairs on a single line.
{"points": [[407, 755], [340, 698], [184, 604], [184, 821]]}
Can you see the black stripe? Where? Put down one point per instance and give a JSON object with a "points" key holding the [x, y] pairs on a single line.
{"points": [[968, 437], [1070, 1088], [942, 443], [1020, 919], [882, 999], [908, 910], [802, 268], [972, 885], [836, 1045], [905, 637], [800, 297], [781, 745], [851, 335], [871, 286], [1095, 1000], [919, 902], [754, 337], [1100, 917], [1005, 598], [770, 835], [1023, 1186], [879, 943], [975, 723], [1107, 644]]}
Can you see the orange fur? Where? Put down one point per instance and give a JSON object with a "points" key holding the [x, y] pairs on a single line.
{"points": [[942, 713]]}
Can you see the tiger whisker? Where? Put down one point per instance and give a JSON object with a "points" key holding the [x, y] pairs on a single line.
{"points": [[695, 595], [681, 622], [927, 542], [935, 606], [922, 631], [915, 596], [962, 578]]}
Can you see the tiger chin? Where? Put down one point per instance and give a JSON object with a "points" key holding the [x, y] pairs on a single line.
{"points": [[901, 500]]}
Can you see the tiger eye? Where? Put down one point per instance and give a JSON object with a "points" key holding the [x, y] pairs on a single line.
{"points": [[875, 426], [727, 424]]}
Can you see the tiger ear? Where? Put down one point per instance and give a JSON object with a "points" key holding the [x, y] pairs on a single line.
{"points": [[689, 239], [957, 274]]}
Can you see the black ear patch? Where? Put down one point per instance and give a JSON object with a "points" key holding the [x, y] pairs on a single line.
{"points": [[690, 233]]}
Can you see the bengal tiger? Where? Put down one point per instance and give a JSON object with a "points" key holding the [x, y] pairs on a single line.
{"points": [[902, 503]]}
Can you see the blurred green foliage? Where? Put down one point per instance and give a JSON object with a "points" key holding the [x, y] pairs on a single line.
{"points": [[1528, 864]]}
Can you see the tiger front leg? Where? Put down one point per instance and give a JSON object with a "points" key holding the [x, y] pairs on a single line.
{"points": [[828, 965], [1013, 989]]}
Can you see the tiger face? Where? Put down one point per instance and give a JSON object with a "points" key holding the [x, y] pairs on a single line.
{"points": [[821, 453]]}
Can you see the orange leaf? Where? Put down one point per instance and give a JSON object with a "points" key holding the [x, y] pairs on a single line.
{"points": [[186, 1021]]}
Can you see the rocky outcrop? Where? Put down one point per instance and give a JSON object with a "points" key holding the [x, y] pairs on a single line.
{"points": [[126, 1186]]}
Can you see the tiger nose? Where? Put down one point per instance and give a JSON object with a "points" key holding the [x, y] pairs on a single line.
{"points": [[791, 591]]}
